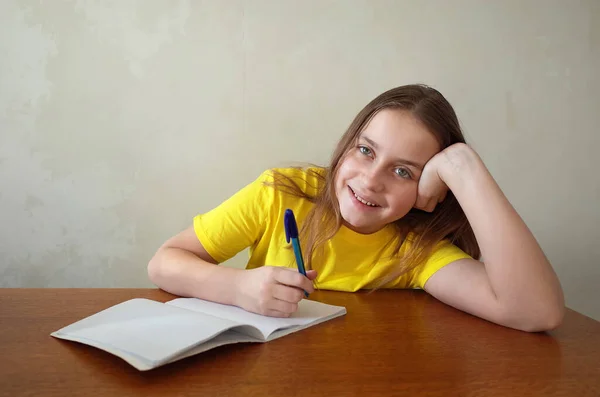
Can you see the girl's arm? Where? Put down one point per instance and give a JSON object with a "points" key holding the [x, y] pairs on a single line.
{"points": [[516, 286], [183, 267]]}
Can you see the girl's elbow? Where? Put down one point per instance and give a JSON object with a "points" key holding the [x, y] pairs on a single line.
{"points": [[154, 270], [541, 321], [554, 318], [554, 314]]}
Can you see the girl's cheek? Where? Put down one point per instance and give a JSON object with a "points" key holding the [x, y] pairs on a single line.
{"points": [[347, 165], [406, 198], [353, 163], [411, 198]]}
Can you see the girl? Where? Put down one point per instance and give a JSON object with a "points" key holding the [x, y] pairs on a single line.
{"points": [[405, 203]]}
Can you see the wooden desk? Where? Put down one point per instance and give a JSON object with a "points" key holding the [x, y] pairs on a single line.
{"points": [[389, 343]]}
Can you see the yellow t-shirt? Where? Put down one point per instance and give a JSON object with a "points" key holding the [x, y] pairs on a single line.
{"points": [[253, 217]]}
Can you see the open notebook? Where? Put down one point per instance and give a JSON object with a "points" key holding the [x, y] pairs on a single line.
{"points": [[148, 334]]}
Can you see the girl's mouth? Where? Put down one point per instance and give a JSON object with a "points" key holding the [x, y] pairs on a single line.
{"points": [[361, 200]]}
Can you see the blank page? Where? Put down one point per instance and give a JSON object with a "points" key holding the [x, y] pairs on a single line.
{"points": [[145, 329], [308, 313]]}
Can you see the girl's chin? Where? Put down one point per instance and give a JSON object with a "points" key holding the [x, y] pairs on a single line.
{"points": [[361, 228]]}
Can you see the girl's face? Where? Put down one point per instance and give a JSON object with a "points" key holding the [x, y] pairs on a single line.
{"points": [[377, 180]]}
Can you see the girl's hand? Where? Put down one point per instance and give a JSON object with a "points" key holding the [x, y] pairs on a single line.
{"points": [[273, 291], [431, 190], [432, 187]]}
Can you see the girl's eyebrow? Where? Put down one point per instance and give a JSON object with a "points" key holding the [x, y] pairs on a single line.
{"points": [[399, 160]]}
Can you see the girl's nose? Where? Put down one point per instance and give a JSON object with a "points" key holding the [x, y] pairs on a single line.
{"points": [[372, 179]]}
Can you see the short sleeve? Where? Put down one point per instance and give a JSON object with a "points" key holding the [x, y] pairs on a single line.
{"points": [[236, 223], [444, 253]]}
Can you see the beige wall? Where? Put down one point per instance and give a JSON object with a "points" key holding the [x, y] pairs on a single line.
{"points": [[121, 120]]}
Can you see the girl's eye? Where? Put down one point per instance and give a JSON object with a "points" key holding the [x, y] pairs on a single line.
{"points": [[364, 150], [403, 173]]}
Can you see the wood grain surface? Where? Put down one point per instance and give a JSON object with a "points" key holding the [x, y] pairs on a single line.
{"points": [[389, 343]]}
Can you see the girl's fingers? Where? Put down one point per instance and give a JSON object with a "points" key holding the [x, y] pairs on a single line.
{"points": [[276, 313], [424, 203], [429, 203], [311, 274], [287, 294], [421, 202], [278, 305], [443, 196], [293, 278]]}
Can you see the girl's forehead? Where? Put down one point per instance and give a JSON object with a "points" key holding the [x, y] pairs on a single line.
{"points": [[396, 132]]}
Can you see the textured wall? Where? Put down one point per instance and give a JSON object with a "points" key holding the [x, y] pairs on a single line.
{"points": [[121, 120]]}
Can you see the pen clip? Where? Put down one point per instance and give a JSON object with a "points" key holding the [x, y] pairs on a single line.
{"points": [[289, 223]]}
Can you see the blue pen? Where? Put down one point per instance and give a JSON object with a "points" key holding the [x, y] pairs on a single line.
{"points": [[291, 233]]}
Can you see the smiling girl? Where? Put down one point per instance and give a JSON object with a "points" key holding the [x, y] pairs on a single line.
{"points": [[404, 203]]}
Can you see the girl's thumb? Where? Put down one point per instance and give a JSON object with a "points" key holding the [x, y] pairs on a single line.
{"points": [[311, 274]]}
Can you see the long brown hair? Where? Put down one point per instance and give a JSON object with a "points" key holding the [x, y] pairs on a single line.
{"points": [[447, 221]]}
